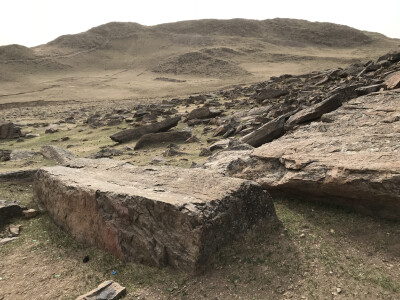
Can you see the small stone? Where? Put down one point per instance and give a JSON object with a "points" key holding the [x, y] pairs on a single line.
{"points": [[30, 213], [15, 229], [302, 235], [205, 152], [338, 290], [32, 135], [7, 240]]}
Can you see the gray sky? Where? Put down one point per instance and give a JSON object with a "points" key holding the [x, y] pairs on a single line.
{"points": [[34, 22]]}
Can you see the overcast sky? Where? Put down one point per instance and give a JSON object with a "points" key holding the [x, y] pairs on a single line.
{"points": [[34, 22]]}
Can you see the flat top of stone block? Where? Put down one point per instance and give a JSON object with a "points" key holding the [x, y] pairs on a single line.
{"points": [[172, 185]]}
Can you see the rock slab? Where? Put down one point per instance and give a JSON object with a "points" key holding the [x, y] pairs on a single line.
{"points": [[134, 133], [169, 136], [107, 290], [353, 160], [153, 215]]}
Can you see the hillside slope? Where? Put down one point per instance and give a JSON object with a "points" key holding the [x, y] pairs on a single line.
{"points": [[125, 58]]}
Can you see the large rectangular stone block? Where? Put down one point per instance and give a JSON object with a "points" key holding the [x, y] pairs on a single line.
{"points": [[152, 215]]}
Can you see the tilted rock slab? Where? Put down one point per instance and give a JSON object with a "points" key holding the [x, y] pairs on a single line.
{"points": [[134, 133], [152, 215], [353, 160], [107, 290]]}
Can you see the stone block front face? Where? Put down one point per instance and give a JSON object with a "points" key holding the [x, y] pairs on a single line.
{"points": [[153, 215]]}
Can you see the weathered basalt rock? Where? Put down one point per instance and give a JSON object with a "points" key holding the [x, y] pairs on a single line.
{"points": [[169, 136], [131, 134], [315, 111], [266, 133], [9, 131], [392, 81], [203, 113], [153, 215]]}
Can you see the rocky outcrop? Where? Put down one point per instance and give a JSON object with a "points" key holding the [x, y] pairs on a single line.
{"points": [[131, 134], [170, 136], [9, 131], [351, 158], [153, 215]]}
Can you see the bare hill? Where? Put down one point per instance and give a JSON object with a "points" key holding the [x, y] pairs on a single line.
{"points": [[16, 52], [121, 60]]}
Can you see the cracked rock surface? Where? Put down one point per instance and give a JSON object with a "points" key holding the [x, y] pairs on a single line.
{"points": [[153, 215], [352, 157]]}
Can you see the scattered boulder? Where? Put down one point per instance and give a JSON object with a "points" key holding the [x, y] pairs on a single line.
{"points": [[270, 93], [205, 152], [392, 81], [131, 134], [162, 137], [107, 290], [9, 131], [172, 150], [30, 213], [24, 175], [14, 229], [21, 154], [62, 156], [266, 133], [391, 56], [152, 215], [315, 111], [203, 113], [368, 89], [107, 152], [5, 155], [51, 130], [193, 139], [31, 135]]}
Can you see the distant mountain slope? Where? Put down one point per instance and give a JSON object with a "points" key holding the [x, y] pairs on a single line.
{"points": [[121, 59], [279, 31]]}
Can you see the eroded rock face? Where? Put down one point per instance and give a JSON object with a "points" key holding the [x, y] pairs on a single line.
{"points": [[153, 215], [353, 160]]}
